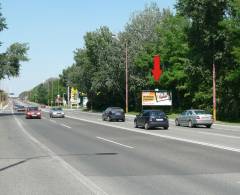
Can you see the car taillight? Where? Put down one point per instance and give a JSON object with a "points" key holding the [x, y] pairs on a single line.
{"points": [[28, 113], [38, 113]]}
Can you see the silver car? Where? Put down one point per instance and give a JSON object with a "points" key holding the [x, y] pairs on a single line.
{"points": [[56, 112], [193, 118]]}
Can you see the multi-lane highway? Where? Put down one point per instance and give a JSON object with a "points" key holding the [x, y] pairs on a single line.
{"points": [[81, 154]]}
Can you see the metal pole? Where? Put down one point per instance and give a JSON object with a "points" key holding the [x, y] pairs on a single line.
{"points": [[214, 93], [52, 94], [58, 93], [126, 60], [48, 93], [68, 96]]}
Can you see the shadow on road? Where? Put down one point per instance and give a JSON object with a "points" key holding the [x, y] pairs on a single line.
{"points": [[46, 156], [11, 114]]}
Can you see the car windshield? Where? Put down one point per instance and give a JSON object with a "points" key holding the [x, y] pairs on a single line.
{"points": [[157, 113], [197, 112], [33, 108]]}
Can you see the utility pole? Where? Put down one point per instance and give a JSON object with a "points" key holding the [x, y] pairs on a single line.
{"points": [[52, 95], [68, 94], [48, 93], [214, 92], [58, 96], [126, 70]]}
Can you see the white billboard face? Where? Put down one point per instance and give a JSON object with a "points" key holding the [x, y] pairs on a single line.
{"points": [[156, 98]]}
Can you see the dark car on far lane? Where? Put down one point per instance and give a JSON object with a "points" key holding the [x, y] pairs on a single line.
{"points": [[113, 113], [151, 119]]}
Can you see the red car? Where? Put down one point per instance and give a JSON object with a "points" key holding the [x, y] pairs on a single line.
{"points": [[33, 112]]}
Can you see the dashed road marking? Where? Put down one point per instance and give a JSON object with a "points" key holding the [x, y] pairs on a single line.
{"points": [[73, 171], [108, 140], [53, 121], [66, 126], [218, 146]]}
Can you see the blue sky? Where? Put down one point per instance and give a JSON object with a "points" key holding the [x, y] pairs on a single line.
{"points": [[55, 28]]}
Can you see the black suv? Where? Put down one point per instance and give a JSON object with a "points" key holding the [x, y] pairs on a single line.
{"points": [[113, 113], [150, 119]]}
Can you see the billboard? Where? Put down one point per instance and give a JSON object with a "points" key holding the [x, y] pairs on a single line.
{"points": [[74, 99], [156, 98]]}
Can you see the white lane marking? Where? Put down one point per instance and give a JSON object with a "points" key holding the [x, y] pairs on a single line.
{"points": [[221, 135], [232, 126], [66, 126], [53, 121], [162, 136], [74, 172], [108, 140]]}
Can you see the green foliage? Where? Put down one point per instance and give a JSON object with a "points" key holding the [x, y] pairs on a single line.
{"points": [[202, 32], [10, 60]]}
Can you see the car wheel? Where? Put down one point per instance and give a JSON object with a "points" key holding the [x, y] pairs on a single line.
{"points": [[146, 126], [123, 120], [103, 119], [135, 124], [190, 125], [208, 126], [177, 122], [165, 128]]}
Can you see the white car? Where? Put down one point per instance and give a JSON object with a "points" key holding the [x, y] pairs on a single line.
{"points": [[193, 118], [56, 113]]}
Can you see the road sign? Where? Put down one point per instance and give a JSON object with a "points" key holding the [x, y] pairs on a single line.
{"points": [[156, 71]]}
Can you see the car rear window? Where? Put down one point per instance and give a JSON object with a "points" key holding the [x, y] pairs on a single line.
{"points": [[200, 112], [117, 109], [157, 113]]}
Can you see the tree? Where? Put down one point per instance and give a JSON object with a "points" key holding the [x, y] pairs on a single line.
{"points": [[212, 37], [10, 60]]}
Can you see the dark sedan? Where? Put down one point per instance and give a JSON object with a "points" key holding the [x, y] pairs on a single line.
{"points": [[151, 119], [113, 113]]}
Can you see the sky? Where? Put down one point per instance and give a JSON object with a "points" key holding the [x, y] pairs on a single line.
{"points": [[53, 29]]}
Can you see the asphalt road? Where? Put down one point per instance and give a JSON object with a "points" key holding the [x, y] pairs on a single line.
{"points": [[81, 154]]}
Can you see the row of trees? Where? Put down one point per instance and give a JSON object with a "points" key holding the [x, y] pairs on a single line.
{"points": [[46, 92], [200, 33]]}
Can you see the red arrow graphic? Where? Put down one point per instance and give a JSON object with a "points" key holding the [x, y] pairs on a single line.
{"points": [[156, 71]]}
